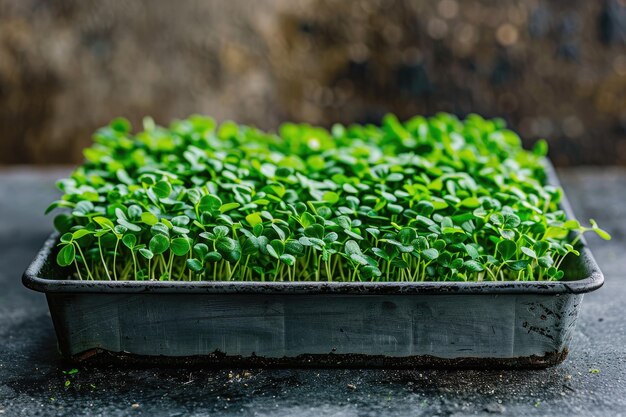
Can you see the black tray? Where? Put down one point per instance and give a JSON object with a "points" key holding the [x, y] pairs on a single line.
{"points": [[391, 324]]}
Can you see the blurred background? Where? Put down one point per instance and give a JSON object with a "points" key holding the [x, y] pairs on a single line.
{"points": [[552, 69]]}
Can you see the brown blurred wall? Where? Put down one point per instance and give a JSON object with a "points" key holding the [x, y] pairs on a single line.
{"points": [[552, 69]]}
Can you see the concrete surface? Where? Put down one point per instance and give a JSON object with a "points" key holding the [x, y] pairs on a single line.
{"points": [[34, 381]]}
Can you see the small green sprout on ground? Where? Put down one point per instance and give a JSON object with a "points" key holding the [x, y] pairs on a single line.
{"points": [[68, 375], [429, 199]]}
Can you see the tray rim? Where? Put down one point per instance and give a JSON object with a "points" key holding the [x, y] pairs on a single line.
{"points": [[594, 279]]}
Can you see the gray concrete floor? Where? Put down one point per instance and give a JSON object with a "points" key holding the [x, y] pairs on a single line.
{"points": [[33, 379]]}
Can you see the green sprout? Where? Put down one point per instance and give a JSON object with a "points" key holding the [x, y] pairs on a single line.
{"points": [[429, 199]]}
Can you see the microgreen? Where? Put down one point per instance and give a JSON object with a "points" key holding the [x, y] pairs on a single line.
{"points": [[430, 199]]}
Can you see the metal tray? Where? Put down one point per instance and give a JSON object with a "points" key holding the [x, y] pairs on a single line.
{"points": [[391, 324]]}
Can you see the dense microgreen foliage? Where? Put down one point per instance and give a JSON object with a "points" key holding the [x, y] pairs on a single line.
{"points": [[432, 199]]}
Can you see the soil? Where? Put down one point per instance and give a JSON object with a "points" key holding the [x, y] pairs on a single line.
{"points": [[331, 360]]}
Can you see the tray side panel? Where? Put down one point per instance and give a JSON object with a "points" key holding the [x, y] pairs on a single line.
{"points": [[197, 325], [545, 323], [85, 322], [289, 326]]}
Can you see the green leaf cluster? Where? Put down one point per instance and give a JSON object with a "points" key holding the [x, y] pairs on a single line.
{"points": [[429, 199]]}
